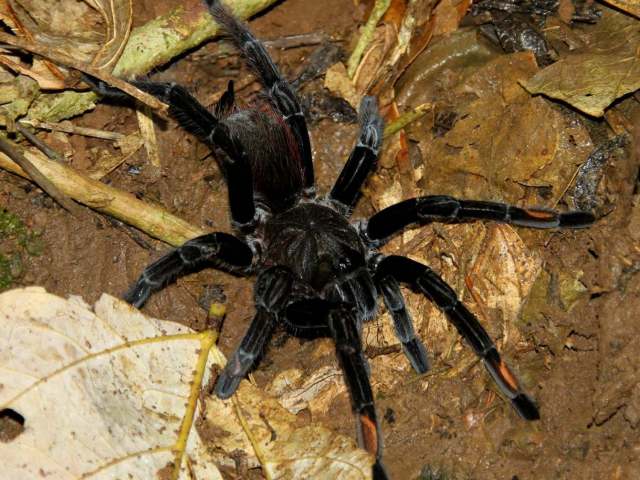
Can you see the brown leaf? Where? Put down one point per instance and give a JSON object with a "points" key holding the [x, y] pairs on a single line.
{"points": [[591, 78], [629, 6]]}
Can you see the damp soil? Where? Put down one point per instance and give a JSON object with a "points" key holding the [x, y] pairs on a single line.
{"points": [[583, 365]]}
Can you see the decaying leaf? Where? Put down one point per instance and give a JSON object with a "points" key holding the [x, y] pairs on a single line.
{"points": [[630, 6], [607, 68], [111, 393], [16, 97], [500, 142]]}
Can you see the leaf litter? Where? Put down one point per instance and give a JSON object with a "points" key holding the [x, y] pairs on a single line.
{"points": [[122, 391]]}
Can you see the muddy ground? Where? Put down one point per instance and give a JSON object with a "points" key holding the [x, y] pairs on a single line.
{"points": [[581, 364]]}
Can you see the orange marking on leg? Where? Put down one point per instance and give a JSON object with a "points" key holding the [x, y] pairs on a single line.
{"points": [[369, 434], [508, 376], [541, 214]]}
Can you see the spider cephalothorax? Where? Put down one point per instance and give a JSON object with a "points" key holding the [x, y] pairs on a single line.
{"points": [[317, 272]]}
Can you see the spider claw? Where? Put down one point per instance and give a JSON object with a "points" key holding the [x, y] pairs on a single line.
{"points": [[577, 219], [226, 385], [379, 472], [137, 295], [525, 407]]}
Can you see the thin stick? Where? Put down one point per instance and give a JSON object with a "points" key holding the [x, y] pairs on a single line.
{"points": [[379, 9], [153, 220], [405, 119], [68, 127], [13, 151], [39, 144]]}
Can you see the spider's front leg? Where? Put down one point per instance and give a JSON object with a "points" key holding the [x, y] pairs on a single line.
{"points": [[199, 121], [442, 208], [422, 279], [343, 325], [363, 157], [218, 250], [272, 291]]}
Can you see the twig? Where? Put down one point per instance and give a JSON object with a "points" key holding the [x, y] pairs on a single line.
{"points": [[39, 144], [297, 41], [379, 9], [405, 119], [154, 221], [13, 152], [68, 127]]}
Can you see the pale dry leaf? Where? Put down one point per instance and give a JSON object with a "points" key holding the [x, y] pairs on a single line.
{"points": [[504, 272], [122, 391], [315, 391], [107, 395], [283, 449]]}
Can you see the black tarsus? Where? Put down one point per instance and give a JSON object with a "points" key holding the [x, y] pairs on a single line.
{"points": [[442, 208], [423, 279], [363, 157], [219, 250], [277, 88]]}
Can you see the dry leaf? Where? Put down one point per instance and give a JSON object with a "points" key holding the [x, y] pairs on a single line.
{"points": [[500, 140], [115, 394], [607, 68], [630, 6], [104, 395]]}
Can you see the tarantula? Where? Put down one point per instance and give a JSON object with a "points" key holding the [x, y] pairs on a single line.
{"points": [[318, 274]]}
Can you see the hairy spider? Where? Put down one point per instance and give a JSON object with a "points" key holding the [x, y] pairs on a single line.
{"points": [[318, 274]]}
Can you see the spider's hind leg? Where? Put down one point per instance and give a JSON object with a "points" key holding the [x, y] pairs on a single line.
{"points": [[219, 250], [423, 279], [343, 325]]}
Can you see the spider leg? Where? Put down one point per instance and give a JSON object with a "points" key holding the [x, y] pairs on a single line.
{"points": [[277, 88], [199, 121], [272, 290], [219, 250], [430, 284], [411, 345], [343, 324], [363, 157], [431, 208], [195, 118]]}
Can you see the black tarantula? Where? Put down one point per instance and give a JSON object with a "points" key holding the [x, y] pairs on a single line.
{"points": [[318, 274]]}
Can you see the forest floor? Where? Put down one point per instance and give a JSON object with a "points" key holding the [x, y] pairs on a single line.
{"points": [[571, 329]]}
